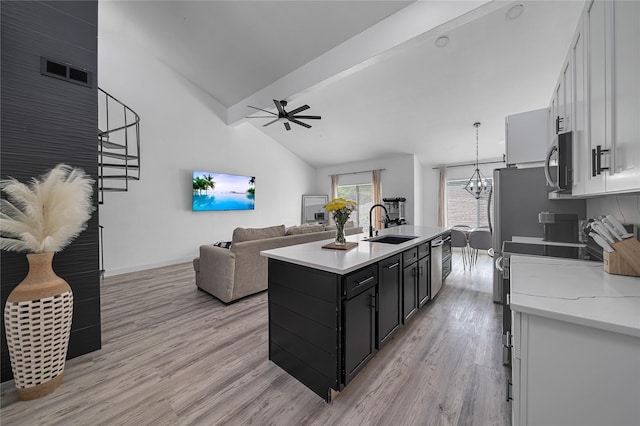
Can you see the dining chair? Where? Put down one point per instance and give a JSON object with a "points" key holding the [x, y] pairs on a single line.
{"points": [[459, 239], [479, 239]]}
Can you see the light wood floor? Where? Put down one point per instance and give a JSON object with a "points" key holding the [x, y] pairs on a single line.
{"points": [[173, 355]]}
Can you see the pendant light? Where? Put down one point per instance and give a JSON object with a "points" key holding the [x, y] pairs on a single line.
{"points": [[477, 183]]}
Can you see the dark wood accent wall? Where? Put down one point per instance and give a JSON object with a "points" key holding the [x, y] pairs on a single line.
{"points": [[46, 121]]}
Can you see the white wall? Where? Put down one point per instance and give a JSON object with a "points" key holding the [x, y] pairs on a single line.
{"points": [[153, 224], [418, 193], [626, 208], [397, 179], [430, 182]]}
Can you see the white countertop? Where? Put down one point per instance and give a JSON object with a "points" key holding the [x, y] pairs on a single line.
{"points": [[345, 261], [575, 291]]}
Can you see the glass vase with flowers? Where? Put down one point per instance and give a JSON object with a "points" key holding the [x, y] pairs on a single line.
{"points": [[340, 208]]}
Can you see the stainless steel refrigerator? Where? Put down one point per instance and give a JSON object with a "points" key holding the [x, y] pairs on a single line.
{"points": [[518, 196]]}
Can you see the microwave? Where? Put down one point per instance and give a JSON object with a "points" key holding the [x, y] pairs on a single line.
{"points": [[560, 177]]}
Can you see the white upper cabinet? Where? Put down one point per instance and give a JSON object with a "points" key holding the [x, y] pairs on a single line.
{"points": [[561, 102], [612, 110], [596, 95], [624, 165], [526, 136], [580, 143]]}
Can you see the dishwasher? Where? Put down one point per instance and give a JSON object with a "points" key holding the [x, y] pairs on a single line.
{"points": [[436, 266]]}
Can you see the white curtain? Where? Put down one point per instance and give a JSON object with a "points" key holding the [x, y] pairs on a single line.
{"points": [[377, 198], [442, 197], [334, 186], [334, 194]]}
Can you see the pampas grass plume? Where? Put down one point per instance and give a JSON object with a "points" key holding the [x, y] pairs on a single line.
{"points": [[46, 215]]}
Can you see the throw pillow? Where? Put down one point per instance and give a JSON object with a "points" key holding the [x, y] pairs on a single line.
{"points": [[249, 234], [223, 244]]}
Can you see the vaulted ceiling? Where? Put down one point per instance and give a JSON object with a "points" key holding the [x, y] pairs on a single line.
{"points": [[371, 69]]}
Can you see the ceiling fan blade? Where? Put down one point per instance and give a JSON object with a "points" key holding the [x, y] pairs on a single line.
{"points": [[287, 126], [260, 109], [308, 117], [259, 116], [279, 107], [293, 120], [300, 109], [271, 122]]}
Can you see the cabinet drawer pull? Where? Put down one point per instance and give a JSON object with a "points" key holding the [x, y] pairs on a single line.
{"points": [[393, 266], [371, 278]]}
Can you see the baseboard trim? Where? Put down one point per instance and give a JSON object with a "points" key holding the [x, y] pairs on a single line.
{"points": [[110, 272]]}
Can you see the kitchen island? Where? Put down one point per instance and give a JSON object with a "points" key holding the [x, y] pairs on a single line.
{"points": [[576, 343], [330, 311]]}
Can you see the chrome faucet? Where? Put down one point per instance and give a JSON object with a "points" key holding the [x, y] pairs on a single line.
{"points": [[386, 215]]}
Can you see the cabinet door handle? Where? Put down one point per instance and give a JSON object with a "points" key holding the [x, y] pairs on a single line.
{"points": [[594, 167], [508, 390], [373, 302], [599, 152], [393, 266]]}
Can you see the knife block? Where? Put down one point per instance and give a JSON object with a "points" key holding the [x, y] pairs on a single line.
{"points": [[625, 260]]}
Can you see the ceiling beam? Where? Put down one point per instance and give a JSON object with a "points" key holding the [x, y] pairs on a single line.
{"points": [[419, 19]]}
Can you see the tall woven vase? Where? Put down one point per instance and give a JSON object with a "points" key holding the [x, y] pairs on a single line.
{"points": [[37, 320]]}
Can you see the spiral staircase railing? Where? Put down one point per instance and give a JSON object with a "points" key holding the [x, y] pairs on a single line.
{"points": [[118, 151], [118, 145]]}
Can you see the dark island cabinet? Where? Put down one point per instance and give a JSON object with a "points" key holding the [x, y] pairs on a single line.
{"points": [[423, 278], [446, 254], [359, 316], [409, 288], [305, 325], [415, 279], [359, 332], [325, 327], [423, 275], [389, 299]]}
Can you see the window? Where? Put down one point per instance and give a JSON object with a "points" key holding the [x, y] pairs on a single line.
{"points": [[463, 208], [361, 194]]}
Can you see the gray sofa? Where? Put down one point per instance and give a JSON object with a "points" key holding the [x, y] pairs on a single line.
{"points": [[232, 273]]}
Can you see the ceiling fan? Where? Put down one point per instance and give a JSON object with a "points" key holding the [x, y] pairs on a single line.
{"points": [[286, 117]]}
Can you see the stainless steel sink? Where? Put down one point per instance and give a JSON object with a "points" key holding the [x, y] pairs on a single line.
{"points": [[391, 239]]}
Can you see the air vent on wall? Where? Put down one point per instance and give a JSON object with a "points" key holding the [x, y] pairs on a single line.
{"points": [[66, 72]]}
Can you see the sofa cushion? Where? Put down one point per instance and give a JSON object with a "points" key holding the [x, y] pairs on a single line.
{"points": [[303, 229], [249, 234]]}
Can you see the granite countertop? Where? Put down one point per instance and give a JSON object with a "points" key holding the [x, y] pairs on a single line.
{"points": [[345, 261], [575, 291]]}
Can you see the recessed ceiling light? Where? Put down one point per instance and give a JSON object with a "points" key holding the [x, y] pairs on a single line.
{"points": [[514, 12], [442, 41]]}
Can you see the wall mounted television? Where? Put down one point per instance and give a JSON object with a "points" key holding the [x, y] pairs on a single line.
{"points": [[221, 191]]}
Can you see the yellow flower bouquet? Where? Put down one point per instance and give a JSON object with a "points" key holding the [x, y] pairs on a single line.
{"points": [[340, 208]]}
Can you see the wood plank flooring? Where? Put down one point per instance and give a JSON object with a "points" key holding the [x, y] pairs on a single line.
{"points": [[173, 355]]}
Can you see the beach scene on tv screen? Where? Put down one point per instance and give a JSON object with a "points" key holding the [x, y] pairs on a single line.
{"points": [[219, 191]]}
